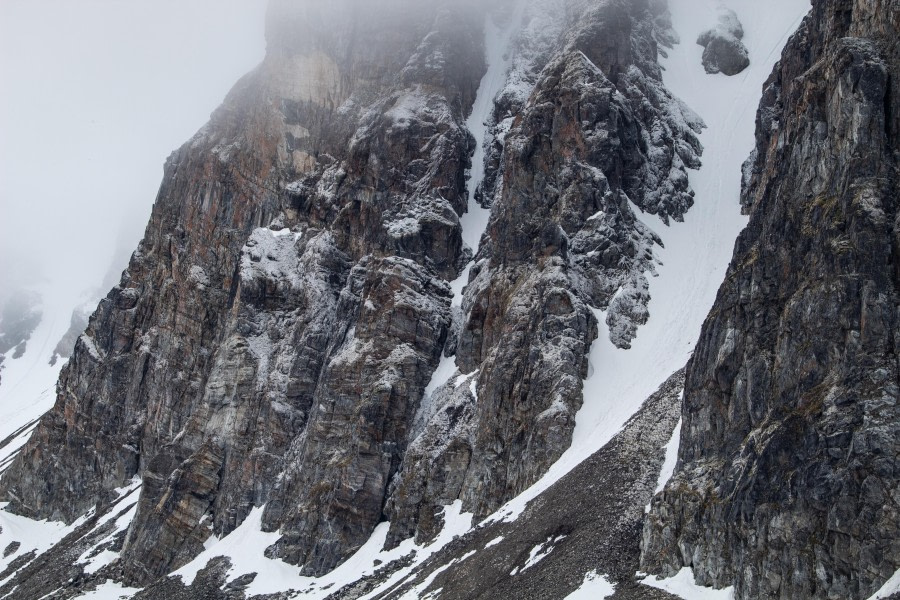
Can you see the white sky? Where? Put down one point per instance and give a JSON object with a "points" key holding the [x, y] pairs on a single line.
{"points": [[94, 94]]}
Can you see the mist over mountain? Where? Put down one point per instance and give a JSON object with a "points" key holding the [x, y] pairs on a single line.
{"points": [[547, 299]]}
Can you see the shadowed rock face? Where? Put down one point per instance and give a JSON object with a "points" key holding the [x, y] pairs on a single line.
{"points": [[788, 468], [273, 335], [275, 317]]}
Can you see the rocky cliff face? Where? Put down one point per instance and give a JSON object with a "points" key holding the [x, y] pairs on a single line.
{"points": [[788, 467], [316, 214], [597, 140], [275, 339]]}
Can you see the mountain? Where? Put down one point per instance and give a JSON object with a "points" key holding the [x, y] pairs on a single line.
{"points": [[410, 318], [787, 477]]}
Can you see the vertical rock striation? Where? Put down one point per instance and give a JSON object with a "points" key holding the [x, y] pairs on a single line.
{"points": [[272, 339], [595, 141], [790, 450]]}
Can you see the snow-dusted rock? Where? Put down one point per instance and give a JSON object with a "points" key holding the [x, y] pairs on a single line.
{"points": [[787, 478], [724, 52]]}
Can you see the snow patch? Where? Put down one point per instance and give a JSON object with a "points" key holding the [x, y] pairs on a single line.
{"points": [[668, 468], [110, 590], [697, 252], [594, 587], [890, 587], [271, 255], [499, 61], [684, 586], [93, 560], [537, 554], [37, 536], [246, 545], [670, 461]]}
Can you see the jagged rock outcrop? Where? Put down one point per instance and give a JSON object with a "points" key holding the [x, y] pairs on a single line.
{"points": [[723, 50], [272, 339], [77, 325], [587, 521], [597, 140], [787, 484]]}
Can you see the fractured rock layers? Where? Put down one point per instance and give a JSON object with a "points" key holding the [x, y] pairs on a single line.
{"points": [[787, 478], [273, 336]]}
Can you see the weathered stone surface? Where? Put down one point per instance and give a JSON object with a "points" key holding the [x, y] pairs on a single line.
{"points": [[724, 52], [787, 484], [590, 520], [273, 335], [272, 339], [288, 300], [596, 139]]}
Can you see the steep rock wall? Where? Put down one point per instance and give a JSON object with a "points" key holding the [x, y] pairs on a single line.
{"points": [[596, 141], [788, 467], [272, 339]]}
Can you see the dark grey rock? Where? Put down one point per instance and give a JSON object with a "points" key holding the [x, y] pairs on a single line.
{"points": [[19, 317], [233, 358], [563, 237], [724, 52], [590, 520], [271, 340], [77, 325], [788, 469], [11, 548]]}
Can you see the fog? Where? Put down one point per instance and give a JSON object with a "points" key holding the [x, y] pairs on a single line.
{"points": [[95, 95]]}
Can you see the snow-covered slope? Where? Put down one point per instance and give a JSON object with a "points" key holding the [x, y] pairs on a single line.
{"points": [[694, 259], [28, 385]]}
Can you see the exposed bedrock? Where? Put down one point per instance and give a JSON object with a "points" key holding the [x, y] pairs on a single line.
{"points": [[788, 469], [273, 336], [723, 50], [287, 304], [597, 139]]}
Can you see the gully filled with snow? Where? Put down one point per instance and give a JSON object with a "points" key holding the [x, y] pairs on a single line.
{"points": [[696, 252], [695, 258]]}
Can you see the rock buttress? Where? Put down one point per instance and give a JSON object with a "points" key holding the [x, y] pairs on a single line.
{"points": [[787, 484]]}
